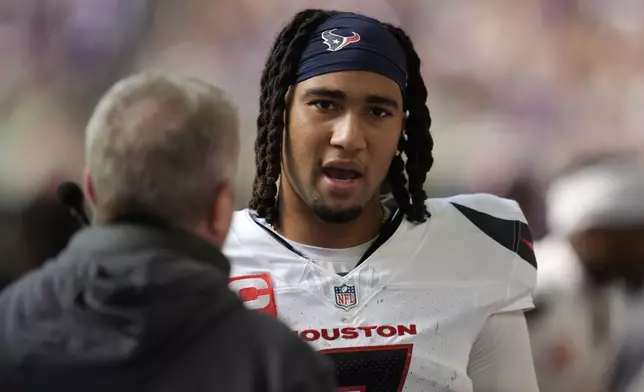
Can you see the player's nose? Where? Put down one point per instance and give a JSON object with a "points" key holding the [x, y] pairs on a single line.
{"points": [[348, 133]]}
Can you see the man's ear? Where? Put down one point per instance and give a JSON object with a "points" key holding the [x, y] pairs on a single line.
{"points": [[221, 213], [88, 185]]}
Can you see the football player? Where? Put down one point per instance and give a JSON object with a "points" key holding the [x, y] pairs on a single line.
{"points": [[417, 295]]}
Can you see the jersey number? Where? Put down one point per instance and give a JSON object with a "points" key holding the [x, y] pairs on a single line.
{"points": [[371, 368]]}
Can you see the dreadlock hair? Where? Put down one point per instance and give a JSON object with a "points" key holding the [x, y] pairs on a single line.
{"points": [[405, 176]]}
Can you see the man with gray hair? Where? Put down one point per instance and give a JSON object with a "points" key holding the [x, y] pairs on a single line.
{"points": [[140, 301]]}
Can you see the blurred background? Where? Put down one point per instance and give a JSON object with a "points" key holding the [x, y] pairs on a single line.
{"points": [[518, 90]]}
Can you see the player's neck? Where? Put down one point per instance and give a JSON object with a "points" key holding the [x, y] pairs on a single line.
{"points": [[298, 223]]}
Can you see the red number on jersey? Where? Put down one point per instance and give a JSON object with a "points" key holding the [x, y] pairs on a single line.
{"points": [[256, 291], [371, 368]]}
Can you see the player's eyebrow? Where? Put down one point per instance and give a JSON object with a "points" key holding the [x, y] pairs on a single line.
{"points": [[386, 101], [326, 93], [341, 95]]}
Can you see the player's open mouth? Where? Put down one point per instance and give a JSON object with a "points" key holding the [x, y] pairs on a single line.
{"points": [[342, 176], [337, 174]]}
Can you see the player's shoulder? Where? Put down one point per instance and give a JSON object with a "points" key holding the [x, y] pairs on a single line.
{"points": [[485, 238], [499, 220], [252, 247], [245, 237], [241, 221], [492, 206]]}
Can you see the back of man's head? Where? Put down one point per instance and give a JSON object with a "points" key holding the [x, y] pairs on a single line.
{"points": [[167, 147]]}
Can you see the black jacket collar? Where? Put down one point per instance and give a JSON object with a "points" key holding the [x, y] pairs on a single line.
{"points": [[135, 233]]}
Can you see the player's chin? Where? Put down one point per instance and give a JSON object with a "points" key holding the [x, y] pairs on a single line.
{"points": [[337, 212]]}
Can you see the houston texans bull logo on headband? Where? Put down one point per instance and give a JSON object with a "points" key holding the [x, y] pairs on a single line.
{"points": [[336, 42]]}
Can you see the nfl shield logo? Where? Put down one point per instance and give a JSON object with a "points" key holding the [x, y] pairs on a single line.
{"points": [[345, 296]]}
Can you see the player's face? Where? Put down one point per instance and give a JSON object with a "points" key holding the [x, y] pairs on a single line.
{"points": [[343, 131]]}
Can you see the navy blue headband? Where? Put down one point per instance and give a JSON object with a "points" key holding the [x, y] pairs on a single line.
{"points": [[350, 42]]}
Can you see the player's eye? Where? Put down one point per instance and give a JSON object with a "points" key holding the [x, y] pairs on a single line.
{"points": [[379, 112], [323, 105]]}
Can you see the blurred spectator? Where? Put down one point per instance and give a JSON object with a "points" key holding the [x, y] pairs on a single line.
{"points": [[31, 235], [528, 193], [140, 302], [591, 269]]}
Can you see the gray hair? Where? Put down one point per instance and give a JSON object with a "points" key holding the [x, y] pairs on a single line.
{"points": [[161, 144]]}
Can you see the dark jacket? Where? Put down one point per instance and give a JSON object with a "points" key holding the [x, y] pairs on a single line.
{"points": [[137, 308]]}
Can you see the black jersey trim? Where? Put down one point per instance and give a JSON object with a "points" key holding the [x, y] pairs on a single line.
{"points": [[512, 234]]}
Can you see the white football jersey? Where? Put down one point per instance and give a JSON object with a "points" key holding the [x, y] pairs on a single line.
{"points": [[404, 319]]}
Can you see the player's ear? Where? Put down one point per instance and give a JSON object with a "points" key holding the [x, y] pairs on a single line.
{"points": [[287, 100]]}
